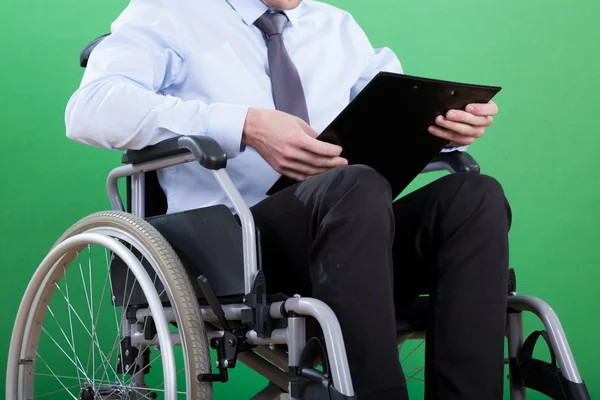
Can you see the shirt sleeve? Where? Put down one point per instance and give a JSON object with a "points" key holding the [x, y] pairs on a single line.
{"points": [[379, 60], [123, 100]]}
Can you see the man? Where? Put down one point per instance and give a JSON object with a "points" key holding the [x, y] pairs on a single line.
{"points": [[263, 84]]}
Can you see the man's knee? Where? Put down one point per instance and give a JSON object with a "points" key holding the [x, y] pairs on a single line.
{"points": [[479, 193], [363, 177], [360, 184], [354, 193]]}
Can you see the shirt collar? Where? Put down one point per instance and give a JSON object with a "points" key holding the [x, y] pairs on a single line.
{"points": [[251, 10]]}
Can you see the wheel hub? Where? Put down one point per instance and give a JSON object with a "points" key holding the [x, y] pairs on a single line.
{"points": [[87, 393], [104, 393]]}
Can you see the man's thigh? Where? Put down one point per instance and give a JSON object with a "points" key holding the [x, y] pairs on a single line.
{"points": [[286, 230], [302, 227], [287, 221], [426, 218]]}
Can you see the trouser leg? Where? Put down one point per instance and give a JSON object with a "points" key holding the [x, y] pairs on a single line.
{"points": [[331, 238], [452, 242]]}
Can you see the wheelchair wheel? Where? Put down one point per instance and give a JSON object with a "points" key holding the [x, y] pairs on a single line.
{"points": [[70, 341], [412, 359]]}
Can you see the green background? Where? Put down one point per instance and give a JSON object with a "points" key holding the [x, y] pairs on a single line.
{"points": [[542, 147]]}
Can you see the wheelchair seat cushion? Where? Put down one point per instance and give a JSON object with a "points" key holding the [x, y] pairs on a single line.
{"points": [[208, 242]]}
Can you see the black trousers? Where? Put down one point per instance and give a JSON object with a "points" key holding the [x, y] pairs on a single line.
{"points": [[339, 237]]}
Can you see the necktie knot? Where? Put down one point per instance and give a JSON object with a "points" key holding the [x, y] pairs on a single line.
{"points": [[272, 23]]}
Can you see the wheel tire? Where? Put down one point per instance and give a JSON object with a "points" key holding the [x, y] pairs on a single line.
{"points": [[177, 285]]}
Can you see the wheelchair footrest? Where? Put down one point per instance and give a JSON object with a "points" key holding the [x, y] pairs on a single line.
{"points": [[542, 376], [309, 383]]}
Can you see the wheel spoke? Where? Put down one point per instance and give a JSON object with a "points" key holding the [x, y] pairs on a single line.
{"points": [[112, 292], [413, 350], [177, 373], [52, 372], [137, 391], [85, 291], [102, 377], [151, 390], [142, 349], [147, 365], [414, 376], [97, 318], [59, 376], [94, 339], [70, 317], [56, 391], [84, 327], [128, 332], [77, 360], [61, 349]]}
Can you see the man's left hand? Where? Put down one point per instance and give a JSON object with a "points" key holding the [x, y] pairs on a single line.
{"points": [[462, 128]]}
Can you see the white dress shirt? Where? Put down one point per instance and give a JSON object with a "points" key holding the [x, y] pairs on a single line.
{"points": [[189, 67]]}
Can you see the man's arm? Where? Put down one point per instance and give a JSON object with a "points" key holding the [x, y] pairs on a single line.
{"points": [[378, 60], [121, 105], [460, 127]]}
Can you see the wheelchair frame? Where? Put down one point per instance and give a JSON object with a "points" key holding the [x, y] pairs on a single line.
{"points": [[559, 379], [291, 309]]}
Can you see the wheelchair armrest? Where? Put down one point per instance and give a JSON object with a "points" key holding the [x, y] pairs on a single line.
{"points": [[87, 51], [455, 161], [206, 150]]}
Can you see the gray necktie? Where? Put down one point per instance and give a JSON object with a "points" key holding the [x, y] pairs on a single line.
{"points": [[288, 93]]}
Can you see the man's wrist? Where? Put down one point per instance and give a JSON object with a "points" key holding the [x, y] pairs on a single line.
{"points": [[250, 125]]}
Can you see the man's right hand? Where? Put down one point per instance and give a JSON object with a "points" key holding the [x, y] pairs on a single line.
{"points": [[288, 144]]}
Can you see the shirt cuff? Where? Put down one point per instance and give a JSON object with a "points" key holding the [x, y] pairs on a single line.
{"points": [[451, 149], [225, 125]]}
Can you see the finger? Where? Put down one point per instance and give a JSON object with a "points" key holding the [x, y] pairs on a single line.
{"points": [[303, 169], [455, 138], [293, 155], [468, 118], [294, 174], [460, 128], [307, 128], [316, 160], [483, 109], [319, 147]]}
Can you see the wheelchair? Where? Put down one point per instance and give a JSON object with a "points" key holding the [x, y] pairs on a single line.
{"points": [[187, 288]]}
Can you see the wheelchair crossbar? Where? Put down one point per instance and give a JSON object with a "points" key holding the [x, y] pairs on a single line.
{"points": [[139, 341], [275, 356], [270, 392], [336, 349], [232, 312], [265, 368], [278, 336]]}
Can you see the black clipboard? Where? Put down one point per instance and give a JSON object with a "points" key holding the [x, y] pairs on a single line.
{"points": [[385, 126]]}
